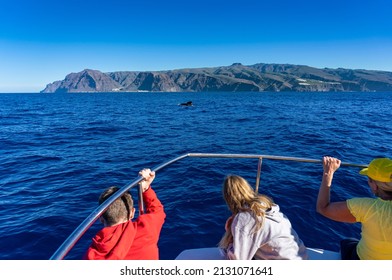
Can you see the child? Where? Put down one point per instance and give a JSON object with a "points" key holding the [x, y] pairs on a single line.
{"points": [[124, 239]]}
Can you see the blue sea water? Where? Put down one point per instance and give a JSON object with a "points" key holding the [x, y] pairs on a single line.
{"points": [[60, 151]]}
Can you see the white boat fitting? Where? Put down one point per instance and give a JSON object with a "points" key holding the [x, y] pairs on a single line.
{"points": [[215, 253]]}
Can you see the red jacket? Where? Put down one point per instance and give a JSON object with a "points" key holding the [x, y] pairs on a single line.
{"points": [[132, 240]]}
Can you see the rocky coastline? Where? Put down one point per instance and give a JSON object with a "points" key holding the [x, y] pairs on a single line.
{"points": [[234, 78]]}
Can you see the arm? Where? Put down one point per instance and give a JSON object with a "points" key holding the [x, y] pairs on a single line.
{"points": [[244, 241], [227, 239], [337, 211], [152, 203]]}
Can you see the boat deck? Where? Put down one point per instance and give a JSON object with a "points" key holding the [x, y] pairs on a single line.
{"points": [[215, 253]]}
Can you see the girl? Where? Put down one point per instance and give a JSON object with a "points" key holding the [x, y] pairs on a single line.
{"points": [[257, 228]]}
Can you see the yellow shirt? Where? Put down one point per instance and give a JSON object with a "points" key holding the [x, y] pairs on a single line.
{"points": [[375, 215]]}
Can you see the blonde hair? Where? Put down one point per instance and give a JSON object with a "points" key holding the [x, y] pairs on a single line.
{"points": [[241, 197]]}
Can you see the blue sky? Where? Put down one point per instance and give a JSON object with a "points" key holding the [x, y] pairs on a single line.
{"points": [[42, 41]]}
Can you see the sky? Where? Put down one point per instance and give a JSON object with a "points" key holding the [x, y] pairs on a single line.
{"points": [[42, 41]]}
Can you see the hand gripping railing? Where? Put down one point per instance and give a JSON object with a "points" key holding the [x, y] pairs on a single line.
{"points": [[68, 244]]}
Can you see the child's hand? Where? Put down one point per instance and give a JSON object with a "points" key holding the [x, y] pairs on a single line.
{"points": [[148, 176]]}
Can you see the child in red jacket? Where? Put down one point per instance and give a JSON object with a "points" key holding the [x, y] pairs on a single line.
{"points": [[122, 238]]}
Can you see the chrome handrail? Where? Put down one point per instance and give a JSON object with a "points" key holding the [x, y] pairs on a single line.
{"points": [[74, 237]]}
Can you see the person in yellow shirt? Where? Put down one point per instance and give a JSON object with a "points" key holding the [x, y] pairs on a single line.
{"points": [[374, 214]]}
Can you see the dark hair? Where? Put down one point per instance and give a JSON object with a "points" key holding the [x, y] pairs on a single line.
{"points": [[120, 209]]}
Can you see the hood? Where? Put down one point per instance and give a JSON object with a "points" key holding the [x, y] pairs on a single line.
{"points": [[274, 214], [112, 242]]}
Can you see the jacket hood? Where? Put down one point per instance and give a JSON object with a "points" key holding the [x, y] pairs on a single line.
{"points": [[112, 242], [274, 214]]}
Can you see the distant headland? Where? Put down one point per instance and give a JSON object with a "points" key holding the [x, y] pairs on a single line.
{"points": [[233, 78]]}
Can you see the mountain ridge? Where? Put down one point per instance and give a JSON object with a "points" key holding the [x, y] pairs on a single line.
{"points": [[236, 77]]}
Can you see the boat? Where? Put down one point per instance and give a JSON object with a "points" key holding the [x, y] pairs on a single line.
{"points": [[213, 253]]}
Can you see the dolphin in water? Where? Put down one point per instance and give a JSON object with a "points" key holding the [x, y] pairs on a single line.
{"points": [[189, 103]]}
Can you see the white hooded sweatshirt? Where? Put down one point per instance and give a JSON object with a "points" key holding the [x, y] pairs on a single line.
{"points": [[276, 240]]}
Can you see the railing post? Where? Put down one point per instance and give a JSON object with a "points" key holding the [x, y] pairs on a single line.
{"points": [[258, 174], [140, 201]]}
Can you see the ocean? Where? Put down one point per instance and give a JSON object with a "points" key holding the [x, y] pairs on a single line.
{"points": [[60, 151]]}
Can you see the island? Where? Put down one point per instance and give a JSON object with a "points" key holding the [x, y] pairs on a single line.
{"points": [[236, 77]]}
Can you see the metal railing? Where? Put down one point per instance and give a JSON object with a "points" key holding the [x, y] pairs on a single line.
{"points": [[70, 242]]}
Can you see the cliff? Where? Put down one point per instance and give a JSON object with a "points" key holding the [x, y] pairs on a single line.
{"points": [[237, 77]]}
